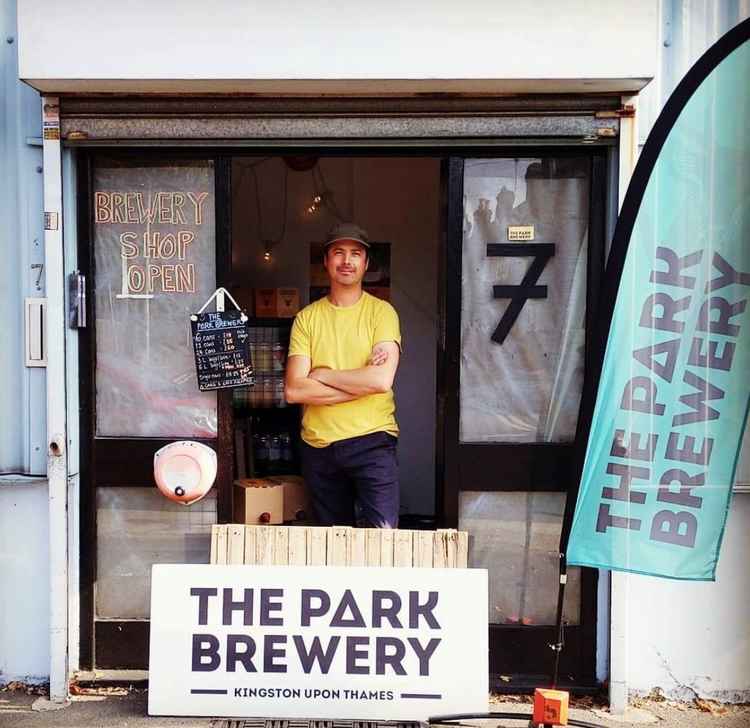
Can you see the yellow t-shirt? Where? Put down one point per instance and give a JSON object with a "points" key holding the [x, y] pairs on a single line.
{"points": [[342, 338]]}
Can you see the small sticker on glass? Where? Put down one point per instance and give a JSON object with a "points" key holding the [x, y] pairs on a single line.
{"points": [[520, 232]]}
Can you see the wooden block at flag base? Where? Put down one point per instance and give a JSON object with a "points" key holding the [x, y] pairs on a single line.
{"points": [[550, 707]]}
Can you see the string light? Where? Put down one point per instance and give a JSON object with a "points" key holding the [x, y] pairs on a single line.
{"points": [[317, 202], [268, 244]]}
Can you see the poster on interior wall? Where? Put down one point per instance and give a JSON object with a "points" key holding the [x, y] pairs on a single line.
{"points": [[317, 642], [673, 396], [377, 280]]}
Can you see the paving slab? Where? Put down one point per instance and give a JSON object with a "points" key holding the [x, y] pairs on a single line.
{"points": [[631, 716], [89, 711]]}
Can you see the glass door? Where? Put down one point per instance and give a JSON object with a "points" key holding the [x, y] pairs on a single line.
{"points": [[522, 265], [149, 242]]}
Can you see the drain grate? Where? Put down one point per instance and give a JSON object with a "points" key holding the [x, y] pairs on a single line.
{"points": [[262, 723]]}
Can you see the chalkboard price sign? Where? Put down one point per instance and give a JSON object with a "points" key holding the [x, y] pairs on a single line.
{"points": [[222, 354]]}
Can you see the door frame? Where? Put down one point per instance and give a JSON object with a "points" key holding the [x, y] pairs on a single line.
{"points": [[525, 470], [451, 156], [112, 643]]}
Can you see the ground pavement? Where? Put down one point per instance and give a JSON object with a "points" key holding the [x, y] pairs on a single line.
{"points": [[121, 708]]}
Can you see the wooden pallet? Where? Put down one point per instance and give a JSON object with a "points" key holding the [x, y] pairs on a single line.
{"points": [[338, 546]]}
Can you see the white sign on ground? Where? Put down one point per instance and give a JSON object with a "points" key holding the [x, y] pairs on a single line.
{"points": [[317, 642]]}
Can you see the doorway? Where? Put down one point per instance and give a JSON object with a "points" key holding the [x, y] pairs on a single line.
{"points": [[282, 209]]}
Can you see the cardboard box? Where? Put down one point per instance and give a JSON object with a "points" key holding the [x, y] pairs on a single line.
{"points": [[297, 506], [258, 501], [276, 302]]}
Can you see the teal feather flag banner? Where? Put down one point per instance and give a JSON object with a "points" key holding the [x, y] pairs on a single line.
{"points": [[673, 392]]}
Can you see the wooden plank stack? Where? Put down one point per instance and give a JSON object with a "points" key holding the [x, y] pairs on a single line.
{"points": [[338, 546]]}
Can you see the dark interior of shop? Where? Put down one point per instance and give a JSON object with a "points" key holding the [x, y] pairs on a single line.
{"points": [[282, 208]]}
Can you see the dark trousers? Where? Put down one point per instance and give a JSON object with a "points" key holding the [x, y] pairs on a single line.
{"points": [[360, 470]]}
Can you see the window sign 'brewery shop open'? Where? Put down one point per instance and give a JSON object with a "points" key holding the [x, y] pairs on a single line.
{"points": [[154, 260]]}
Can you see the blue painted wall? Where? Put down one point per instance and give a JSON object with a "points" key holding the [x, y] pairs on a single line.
{"points": [[22, 394]]}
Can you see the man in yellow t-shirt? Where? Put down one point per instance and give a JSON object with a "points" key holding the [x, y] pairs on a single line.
{"points": [[343, 356]]}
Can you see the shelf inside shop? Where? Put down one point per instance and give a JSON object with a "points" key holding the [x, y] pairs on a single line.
{"points": [[266, 427]]}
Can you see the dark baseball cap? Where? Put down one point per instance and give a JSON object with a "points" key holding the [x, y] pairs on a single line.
{"points": [[347, 231]]}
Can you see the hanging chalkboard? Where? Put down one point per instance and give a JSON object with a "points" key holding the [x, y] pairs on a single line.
{"points": [[222, 354]]}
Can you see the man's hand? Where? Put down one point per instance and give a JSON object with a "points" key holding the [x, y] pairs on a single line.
{"points": [[370, 379], [301, 388], [316, 373], [379, 355]]}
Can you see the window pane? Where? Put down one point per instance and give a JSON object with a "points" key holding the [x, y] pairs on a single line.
{"points": [[139, 527], [516, 537], [154, 243], [526, 388]]}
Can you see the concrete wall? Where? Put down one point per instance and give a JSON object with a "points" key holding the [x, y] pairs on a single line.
{"points": [[236, 44], [396, 201], [24, 583], [691, 638]]}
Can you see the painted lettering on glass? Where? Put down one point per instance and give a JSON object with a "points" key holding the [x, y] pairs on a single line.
{"points": [[154, 261], [519, 294]]}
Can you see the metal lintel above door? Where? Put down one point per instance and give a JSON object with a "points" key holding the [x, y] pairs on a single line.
{"points": [[324, 131], [349, 122]]}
